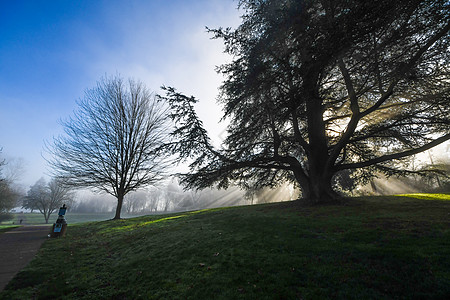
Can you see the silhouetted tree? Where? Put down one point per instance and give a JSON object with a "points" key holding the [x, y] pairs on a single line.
{"points": [[47, 198], [9, 195], [8, 199], [111, 142], [319, 87], [154, 196], [135, 202], [173, 195]]}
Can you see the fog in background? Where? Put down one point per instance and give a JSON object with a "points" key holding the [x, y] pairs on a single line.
{"points": [[437, 158], [170, 197]]}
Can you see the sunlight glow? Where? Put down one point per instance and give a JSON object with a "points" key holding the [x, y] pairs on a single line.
{"points": [[442, 197]]}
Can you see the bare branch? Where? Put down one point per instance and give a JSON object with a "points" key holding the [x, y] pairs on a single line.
{"points": [[111, 143]]}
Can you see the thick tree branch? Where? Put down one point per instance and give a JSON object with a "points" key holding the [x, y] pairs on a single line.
{"points": [[355, 117], [393, 156]]}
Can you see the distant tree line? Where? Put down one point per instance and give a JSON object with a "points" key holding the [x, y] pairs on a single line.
{"points": [[9, 192], [171, 196], [167, 197]]}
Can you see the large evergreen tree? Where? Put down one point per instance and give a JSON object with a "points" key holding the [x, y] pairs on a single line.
{"points": [[317, 87]]}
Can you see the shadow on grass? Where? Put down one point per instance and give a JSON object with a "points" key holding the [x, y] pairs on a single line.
{"points": [[369, 248]]}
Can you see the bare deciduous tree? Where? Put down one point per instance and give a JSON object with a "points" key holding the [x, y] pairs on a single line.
{"points": [[111, 142], [47, 198], [9, 193]]}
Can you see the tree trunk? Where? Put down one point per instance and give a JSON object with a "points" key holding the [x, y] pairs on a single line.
{"points": [[316, 187], [320, 191], [44, 213], [120, 197]]}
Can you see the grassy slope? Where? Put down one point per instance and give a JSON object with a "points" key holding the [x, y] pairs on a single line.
{"points": [[377, 247], [5, 228]]}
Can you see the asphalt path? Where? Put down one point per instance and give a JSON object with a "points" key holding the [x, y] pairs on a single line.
{"points": [[17, 249]]}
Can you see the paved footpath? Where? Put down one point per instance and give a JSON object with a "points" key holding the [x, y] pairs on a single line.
{"points": [[17, 249]]}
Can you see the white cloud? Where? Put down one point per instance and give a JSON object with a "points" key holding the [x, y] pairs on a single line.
{"points": [[157, 42], [174, 50]]}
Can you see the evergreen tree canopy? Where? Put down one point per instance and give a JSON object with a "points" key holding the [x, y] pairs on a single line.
{"points": [[319, 87]]}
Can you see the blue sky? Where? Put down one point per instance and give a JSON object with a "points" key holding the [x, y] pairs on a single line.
{"points": [[51, 51]]}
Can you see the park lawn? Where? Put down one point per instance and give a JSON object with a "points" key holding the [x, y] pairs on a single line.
{"points": [[72, 218], [5, 228], [365, 248]]}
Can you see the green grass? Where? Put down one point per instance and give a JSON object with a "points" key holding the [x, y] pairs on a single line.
{"points": [[444, 197], [368, 248], [72, 218], [5, 228]]}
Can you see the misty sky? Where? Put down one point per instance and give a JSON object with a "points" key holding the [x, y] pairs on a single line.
{"points": [[51, 51]]}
